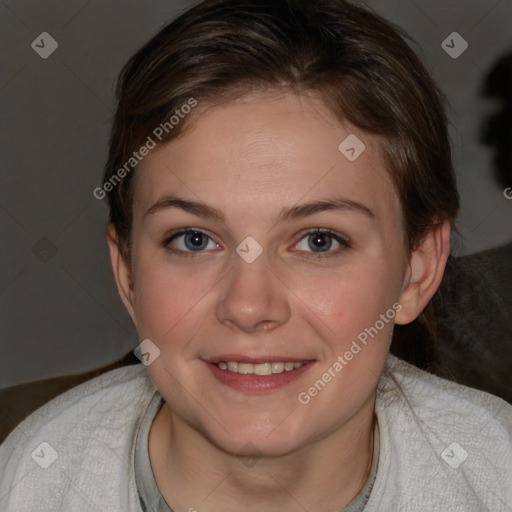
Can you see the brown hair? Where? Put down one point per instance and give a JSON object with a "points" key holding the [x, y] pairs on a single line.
{"points": [[358, 63]]}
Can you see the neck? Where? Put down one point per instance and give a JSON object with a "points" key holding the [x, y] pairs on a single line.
{"points": [[324, 474]]}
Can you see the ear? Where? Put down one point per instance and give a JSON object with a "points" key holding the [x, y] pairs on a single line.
{"points": [[122, 273], [424, 273]]}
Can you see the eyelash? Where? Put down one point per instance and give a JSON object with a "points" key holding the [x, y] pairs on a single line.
{"points": [[344, 243]]}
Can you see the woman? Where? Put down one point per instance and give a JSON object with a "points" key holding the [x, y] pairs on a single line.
{"points": [[281, 195]]}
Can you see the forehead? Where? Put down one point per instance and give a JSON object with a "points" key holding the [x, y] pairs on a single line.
{"points": [[270, 151]]}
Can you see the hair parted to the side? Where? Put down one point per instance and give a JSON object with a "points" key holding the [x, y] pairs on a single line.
{"points": [[355, 61]]}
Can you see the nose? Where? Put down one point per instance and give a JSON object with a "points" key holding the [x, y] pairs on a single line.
{"points": [[253, 299]]}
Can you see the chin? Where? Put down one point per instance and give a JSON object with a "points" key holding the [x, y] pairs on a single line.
{"points": [[257, 438]]}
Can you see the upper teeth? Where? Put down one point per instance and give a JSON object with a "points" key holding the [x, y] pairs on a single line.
{"points": [[258, 369]]}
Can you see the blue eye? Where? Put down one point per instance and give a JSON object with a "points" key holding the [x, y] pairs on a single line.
{"points": [[189, 240], [320, 241]]}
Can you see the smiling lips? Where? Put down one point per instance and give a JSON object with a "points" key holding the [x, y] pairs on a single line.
{"points": [[259, 368], [257, 375]]}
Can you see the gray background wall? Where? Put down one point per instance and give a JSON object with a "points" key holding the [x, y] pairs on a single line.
{"points": [[60, 312]]}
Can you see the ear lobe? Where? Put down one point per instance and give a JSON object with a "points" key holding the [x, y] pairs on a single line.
{"points": [[425, 272], [122, 273]]}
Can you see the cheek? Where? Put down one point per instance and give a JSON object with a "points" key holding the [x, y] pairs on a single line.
{"points": [[351, 299], [346, 307], [167, 302], [170, 307]]}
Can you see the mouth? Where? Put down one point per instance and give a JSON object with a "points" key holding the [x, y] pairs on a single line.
{"points": [[266, 368], [263, 375]]}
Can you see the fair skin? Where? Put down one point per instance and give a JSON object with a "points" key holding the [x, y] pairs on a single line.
{"points": [[250, 159]]}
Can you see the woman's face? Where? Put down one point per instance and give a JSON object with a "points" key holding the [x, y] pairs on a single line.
{"points": [[255, 284]]}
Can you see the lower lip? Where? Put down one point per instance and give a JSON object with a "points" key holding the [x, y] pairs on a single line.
{"points": [[258, 383]]}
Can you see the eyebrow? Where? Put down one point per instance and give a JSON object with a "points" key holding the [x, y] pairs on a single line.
{"points": [[301, 211]]}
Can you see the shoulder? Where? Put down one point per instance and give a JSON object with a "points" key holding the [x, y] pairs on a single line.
{"points": [[419, 386], [442, 401], [443, 444], [112, 391], [86, 434]]}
